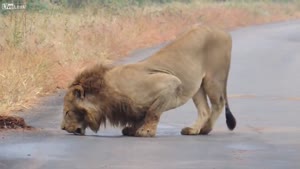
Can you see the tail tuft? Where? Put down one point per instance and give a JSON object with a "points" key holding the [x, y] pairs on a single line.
{"points": [[230, 120]]}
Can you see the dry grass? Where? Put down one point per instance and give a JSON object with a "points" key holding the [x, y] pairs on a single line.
{"points": [[41, 52]]}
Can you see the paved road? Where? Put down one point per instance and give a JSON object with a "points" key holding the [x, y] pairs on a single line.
{"points": [[264, 88]]}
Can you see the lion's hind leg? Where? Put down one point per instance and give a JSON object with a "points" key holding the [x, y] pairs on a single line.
{"points": [[215, 92], [200, 101]]}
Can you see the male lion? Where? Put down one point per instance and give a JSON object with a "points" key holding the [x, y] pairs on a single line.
{"points": [[134, 96]]}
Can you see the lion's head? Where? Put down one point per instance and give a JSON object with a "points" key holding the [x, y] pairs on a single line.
{"points": [[80, 111], [89, 102], [84, 102]]}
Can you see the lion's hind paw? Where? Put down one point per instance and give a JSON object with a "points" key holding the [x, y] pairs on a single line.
{"points": [[190, 131]]}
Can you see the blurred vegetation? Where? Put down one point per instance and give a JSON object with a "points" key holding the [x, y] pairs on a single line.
{"points": [[42, 5], [123, 3]]}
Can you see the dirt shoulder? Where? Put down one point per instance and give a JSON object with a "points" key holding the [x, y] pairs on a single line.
{"points": [[12, 122]]}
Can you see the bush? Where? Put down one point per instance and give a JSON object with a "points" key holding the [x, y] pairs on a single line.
{"points": [[36, 5]]}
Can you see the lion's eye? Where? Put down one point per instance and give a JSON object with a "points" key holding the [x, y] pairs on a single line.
{"points": [[67, 113]]}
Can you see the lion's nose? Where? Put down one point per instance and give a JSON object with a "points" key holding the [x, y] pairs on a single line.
{"points": [[63, 128]]}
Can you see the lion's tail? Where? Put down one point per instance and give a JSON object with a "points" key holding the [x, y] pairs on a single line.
{"points": [[230, 120]]}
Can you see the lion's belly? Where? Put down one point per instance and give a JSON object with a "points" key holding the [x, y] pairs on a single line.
{"points": [[189, 88]]}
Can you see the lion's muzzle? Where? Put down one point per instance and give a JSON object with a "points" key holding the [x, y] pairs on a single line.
{"points": [[76, 131], [79, 131]]}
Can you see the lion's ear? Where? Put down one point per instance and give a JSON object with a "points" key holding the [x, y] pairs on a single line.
{"points": [[78, 91]]}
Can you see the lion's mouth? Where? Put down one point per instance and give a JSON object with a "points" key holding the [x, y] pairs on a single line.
{"points": [[79, 131]]}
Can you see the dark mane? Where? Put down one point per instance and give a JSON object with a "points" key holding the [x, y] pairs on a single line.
{"points": [[115, 108], [92, 80]]}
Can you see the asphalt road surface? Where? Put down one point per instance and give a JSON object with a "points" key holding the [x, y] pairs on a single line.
{"points": [[264, 90]]}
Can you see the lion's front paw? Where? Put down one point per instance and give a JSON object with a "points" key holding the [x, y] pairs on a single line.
{"points": [[129, 131], [145, 132], [189, 131]]}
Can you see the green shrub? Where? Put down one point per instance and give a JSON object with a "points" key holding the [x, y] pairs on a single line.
{"points": [[36, 5]]}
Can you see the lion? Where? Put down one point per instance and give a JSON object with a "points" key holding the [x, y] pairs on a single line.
{"points": [[134, 96]]}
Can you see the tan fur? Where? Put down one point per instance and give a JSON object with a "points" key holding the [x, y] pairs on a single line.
{"points": [[195, 65]]}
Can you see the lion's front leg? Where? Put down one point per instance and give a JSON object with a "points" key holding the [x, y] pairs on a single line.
{"points": [[165, 92], [131, 130], [148, 129]]}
